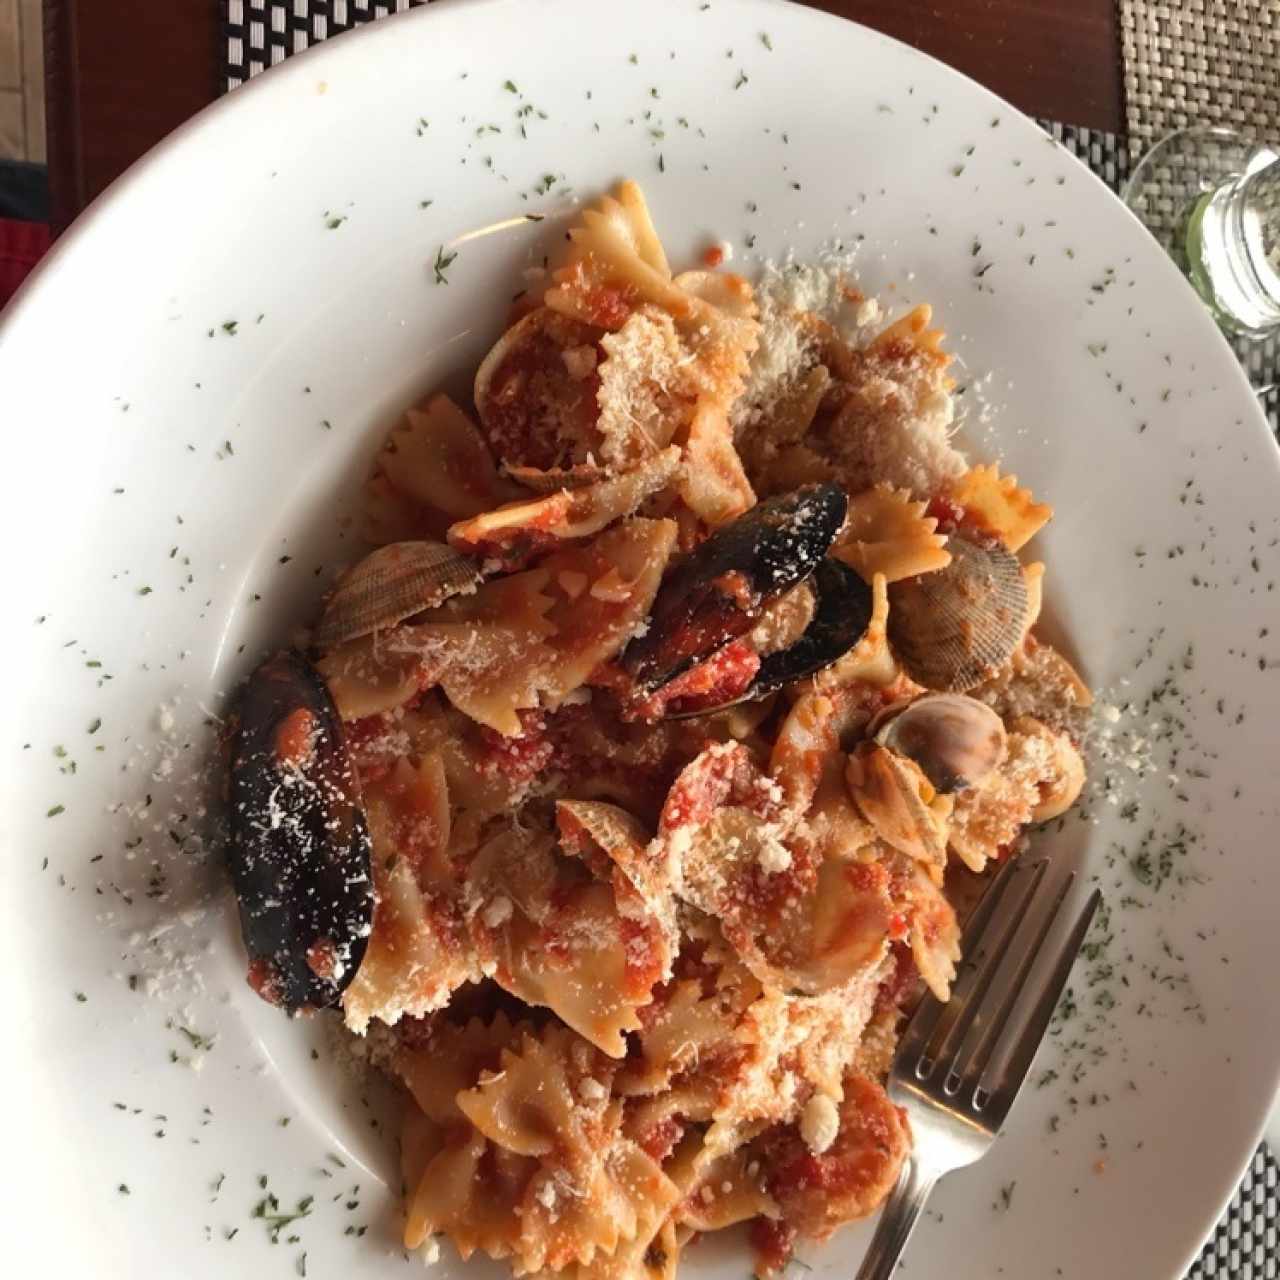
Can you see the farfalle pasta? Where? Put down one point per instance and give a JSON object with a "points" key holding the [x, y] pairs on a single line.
{"points": [[693, 668], [886, 532]]}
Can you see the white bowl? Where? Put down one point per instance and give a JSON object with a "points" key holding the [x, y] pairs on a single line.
{"points": [[194, 382]]}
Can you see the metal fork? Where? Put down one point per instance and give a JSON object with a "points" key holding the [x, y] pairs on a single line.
{"points": [[957, 1070]]}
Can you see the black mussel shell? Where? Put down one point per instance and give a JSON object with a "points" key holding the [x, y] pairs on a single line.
{"points": [[840, 619], [300, 849], [842, 613], [720, 588]]}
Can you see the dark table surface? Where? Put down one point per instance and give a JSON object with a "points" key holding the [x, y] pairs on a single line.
{"points": [[120, 77]]}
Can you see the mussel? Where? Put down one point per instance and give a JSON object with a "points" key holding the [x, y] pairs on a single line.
{"points": [[841, 613], [717, 593], [956, 741], [953, 628], [300, 848], [392, 584]]}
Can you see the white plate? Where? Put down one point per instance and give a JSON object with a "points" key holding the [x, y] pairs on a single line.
{"points": [[206, 364]]}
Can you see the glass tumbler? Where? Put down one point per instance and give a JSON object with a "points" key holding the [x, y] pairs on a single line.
{"points": [[1212, 198]]}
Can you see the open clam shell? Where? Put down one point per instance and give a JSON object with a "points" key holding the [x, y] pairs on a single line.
{"points": [[392, 584], [553, 479], [955, 627], [535, 392], [957, 741], [893, 795], [718, 591], [300, 849]]}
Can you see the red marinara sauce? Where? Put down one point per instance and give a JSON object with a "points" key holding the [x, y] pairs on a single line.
{"points": [[772, 1242]]}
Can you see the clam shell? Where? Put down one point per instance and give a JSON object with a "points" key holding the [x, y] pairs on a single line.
{"points": [[553, 479], [536, 410], [957, 741], [605, 836], [890, 791], [391, 584], [953, 628]]}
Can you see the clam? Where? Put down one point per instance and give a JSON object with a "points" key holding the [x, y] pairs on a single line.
{"points": [[718, 592], [535, 392], [957, 741], [553, 479], [300, 848], [955, 627], [392, 584], [894, 796]]}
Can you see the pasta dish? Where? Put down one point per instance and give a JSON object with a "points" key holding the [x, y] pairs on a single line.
{"points": [[626, 791]]}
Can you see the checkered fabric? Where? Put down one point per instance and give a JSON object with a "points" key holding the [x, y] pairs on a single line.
{"points": [[261, 33]]}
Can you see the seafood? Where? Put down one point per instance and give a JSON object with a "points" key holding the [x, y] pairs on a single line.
{"points": [[1065, 776], [535, 392], [894, 796], [718, 592], [392, 584], [300, 849], [553, 479], [955, 627], [840, 618], [957, 741], [510, 534], [840, 612]]}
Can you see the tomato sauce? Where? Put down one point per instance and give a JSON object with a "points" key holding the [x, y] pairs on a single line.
{"points": [[518, 760], [264, 980], [772, 1242], [294, 737], [700, 790], [720, 679], [659, 1142], [901, 980], [609, 306], [949, 514], [642, 956]]}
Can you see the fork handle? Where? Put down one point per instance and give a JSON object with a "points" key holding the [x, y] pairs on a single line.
{"points": [[901, 1210]]}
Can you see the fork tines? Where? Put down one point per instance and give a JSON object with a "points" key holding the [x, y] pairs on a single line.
{"points": [[948, 1050]]}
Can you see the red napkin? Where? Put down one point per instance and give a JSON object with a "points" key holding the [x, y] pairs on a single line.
{"points": [[22, 245]]}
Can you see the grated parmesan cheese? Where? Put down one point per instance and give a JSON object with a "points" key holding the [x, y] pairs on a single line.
{"points": [[774, 856], [819, 1123], [591, 1090], [644, 380]]}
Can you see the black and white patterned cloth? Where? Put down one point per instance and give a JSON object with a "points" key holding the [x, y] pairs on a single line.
{"points": [[260, 33]]}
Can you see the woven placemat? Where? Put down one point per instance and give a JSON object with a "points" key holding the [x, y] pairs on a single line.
{"points": [[260, 33], [1200, 62]]}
